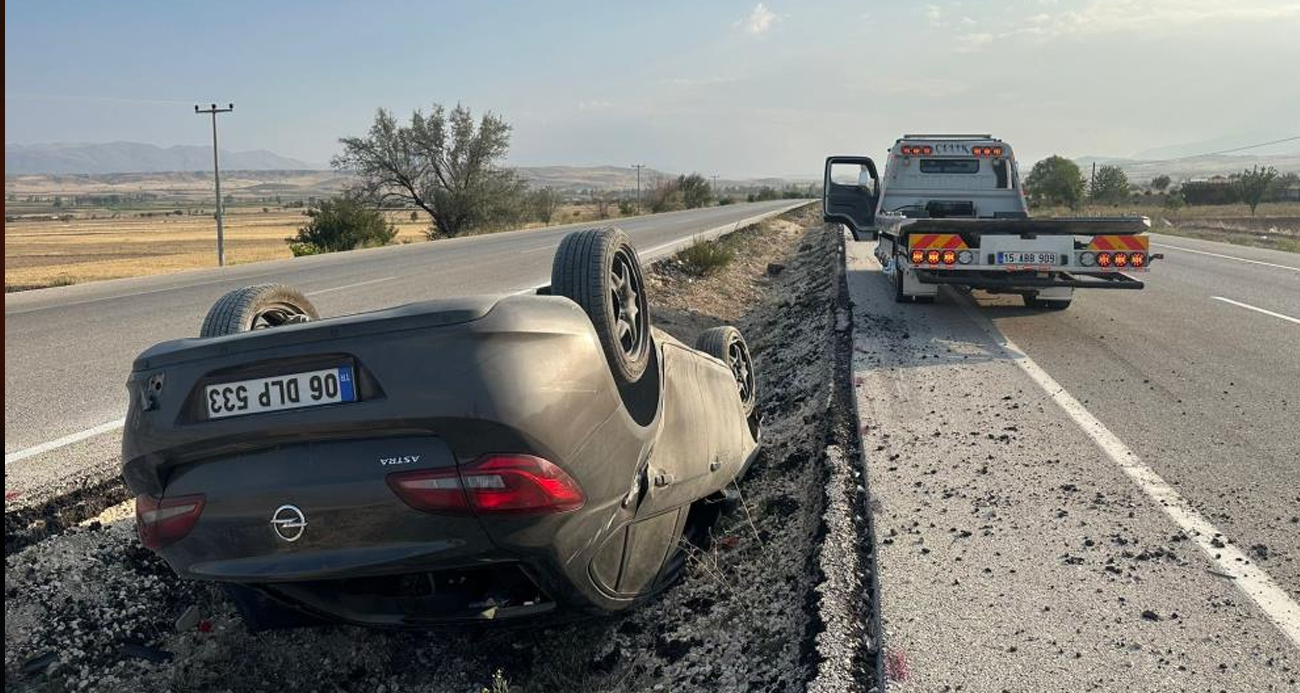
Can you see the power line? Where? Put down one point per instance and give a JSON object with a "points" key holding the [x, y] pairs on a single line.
{"points": [[1221, 151]]}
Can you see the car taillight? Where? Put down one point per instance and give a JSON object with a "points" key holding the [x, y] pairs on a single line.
{"points": [[918, 256], [163, 521], [949, 257], [932, 257], [1138, 259], [502, 483], [1121, 259], [1104, 259]]}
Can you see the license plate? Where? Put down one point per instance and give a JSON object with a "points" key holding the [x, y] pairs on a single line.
{"points": [[1024, 258], [277, 393]]}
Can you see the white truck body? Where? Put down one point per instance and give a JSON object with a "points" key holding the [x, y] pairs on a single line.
{"points": [[950, 210]]}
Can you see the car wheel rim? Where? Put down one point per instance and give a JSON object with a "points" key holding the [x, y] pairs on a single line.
{"points": [[628, 304], [278, 314], [742, 369]]}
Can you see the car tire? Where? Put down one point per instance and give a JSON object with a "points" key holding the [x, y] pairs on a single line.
{"points": [[728, 345], [255, 308], [600, 271], [923, 299], [1036, 302]]}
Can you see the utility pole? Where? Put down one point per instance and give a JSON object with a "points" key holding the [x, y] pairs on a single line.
{"points": [[216, 172], [715, 185], [1092, 182], [638, 168]]}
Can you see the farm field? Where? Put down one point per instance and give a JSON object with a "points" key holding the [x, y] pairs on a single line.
{"points": [[56, 253]]}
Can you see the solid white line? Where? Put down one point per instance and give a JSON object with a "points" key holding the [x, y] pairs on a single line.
{"points": [[1257, 309], [1228, 257], [348, 286], [1253, 580], [65, 440]]}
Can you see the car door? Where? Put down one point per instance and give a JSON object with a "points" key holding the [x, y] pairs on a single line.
{"points": [[851, 189]]}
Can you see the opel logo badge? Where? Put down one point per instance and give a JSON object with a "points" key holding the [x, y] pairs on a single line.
{"points": [[289, 522]]}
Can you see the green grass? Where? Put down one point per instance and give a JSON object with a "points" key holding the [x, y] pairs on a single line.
{"points": [[703, 258]]}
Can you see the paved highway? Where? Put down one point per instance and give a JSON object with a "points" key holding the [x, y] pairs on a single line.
{"points": [[68, 350], [1105, 498]]}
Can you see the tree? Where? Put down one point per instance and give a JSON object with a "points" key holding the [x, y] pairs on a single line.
{"points": [[602, 199], [1278, 191], [341, 223], [665, 196], [1160, 182], [1056, 181], [543, 202], [695, 189], [1253, 183], [1110, 185], [442, 163]]}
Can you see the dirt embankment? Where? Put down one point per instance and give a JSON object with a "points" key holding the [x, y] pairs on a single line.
{"points": [[88, 609]]}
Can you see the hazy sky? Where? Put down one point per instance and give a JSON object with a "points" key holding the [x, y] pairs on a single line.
{"points": [[734, 88]]}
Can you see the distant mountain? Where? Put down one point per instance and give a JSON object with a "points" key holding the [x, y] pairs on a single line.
{"points": [[137, 157]]}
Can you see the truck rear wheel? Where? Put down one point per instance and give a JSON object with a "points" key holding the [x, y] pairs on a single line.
{"points": [[899, 296]]}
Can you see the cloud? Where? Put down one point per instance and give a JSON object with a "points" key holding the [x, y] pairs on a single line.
{"points": [[759, 21], [934, 13], [594, 104]]}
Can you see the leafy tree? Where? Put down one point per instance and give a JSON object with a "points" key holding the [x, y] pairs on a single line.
{"points": [[626, 207], [602, 199], [665, 196], [443, 163], [341, 223], [1253, 183], [1110, 185], [1160, 182], [1277, 192], [695, 190], [1056, 181], [764, 194], [543, 202]]}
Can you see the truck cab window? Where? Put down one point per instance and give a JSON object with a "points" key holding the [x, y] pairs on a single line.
{"points": [[950, 165]]}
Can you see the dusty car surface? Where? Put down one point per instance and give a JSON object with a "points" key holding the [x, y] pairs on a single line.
{"points": [[455, 459]]}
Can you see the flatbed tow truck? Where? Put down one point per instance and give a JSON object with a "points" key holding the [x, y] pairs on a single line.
{"points": [[951, 210]]}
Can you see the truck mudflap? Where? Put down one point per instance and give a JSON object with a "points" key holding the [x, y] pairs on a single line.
{"points": [[983, 280]]}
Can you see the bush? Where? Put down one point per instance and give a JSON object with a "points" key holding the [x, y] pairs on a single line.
{"points": [[626, 208], [341, 223], [728, 200], [702, 258]]}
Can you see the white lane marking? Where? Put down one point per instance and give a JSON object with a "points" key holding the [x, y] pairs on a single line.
{"points": [[535, 250], [1280, 608], [1228, 257], [1257, 309], [348, 286], [65, 440]]}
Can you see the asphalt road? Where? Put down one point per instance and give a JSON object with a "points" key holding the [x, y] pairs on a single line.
{"points": [[1104, 498], [68, 350]]}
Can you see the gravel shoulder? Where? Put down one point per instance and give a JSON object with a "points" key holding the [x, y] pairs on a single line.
{"points": [[88, 609], [1012, 555]]}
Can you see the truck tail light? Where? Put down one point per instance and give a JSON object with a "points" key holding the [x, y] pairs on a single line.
{"points": [[918, 256], [987, 151], [965, 257], [949, 257], [932, 257], [1138, 259], [1105, 259], [917, 150], [492, 484], [1121, 259], [1088, 259], [163, 521]]}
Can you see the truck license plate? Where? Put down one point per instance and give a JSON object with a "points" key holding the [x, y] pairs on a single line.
{"points": [[291, 391], [1026, 258]]}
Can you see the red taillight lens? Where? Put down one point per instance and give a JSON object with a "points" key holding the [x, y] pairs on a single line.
{"points": [[949, 257], [918, 256], [1138, 259], [162, 521], [1104, 259], [518, 484], [1121, 259], [932, 257]]}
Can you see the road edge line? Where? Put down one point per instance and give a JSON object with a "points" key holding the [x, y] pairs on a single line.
{"points": [[1227, 257], [1257, 309], [1252, 580], [64, 441]]}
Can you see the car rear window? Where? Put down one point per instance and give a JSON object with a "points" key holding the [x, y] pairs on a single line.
{"points": [[950, 165]]}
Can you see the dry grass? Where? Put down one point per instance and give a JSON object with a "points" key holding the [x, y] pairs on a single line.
{"points": [[56, 253], [1275, 225]]}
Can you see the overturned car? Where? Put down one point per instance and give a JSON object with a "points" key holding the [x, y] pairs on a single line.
{"points": [[455, 459]]}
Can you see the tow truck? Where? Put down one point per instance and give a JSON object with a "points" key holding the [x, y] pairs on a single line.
{"points": [[951, 210]]}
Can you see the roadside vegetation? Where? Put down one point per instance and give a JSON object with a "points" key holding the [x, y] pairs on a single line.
{"points": [[1257, 207], [341, 223], [703, 258]]}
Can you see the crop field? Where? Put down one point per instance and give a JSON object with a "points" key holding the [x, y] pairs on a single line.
{"points": [[42, 253]]}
